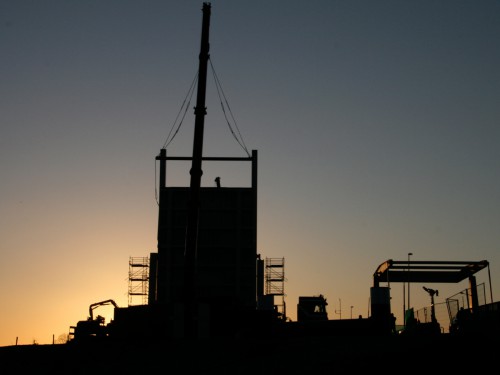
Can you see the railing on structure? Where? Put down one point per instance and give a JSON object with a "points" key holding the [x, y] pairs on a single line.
{"points": [[424, 315], [462, 299], [447, 311]]}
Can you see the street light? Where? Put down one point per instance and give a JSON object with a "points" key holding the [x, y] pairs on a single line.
{"points": [[409, 306], [351, 311]]}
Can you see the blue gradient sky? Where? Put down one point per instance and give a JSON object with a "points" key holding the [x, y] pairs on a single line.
{"points": [[376, 123]]}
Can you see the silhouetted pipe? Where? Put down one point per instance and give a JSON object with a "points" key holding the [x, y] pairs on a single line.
{"points": [[190, 290]]}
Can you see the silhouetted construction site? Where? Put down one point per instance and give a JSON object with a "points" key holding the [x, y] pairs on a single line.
{"points": [[207, 288]]}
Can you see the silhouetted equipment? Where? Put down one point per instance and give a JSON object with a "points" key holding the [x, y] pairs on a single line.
{"points": [[392, 271], [207, 280], [205, 277], [312, 308], [417, 327], [86, 329], [93, 306], [426, 271], [432, 292]]}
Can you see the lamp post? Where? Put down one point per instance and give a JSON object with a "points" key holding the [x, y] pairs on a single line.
{"points": [[351, 311], [409, 306]]}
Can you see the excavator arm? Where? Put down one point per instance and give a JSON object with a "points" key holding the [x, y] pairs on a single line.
{"points": [[97, 304]]}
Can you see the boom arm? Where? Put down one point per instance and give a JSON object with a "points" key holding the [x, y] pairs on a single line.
{"points": [[97, 304]]}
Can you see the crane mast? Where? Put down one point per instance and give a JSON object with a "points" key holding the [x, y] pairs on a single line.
{"points": [[190, 292]]}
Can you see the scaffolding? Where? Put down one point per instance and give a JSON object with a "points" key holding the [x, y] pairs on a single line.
{"points": [[275, 282], [138, 281]]}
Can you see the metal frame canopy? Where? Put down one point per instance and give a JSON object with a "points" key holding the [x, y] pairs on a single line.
{"points": [[401, 271]]}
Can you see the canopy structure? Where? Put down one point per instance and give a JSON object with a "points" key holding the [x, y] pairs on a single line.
{"points": [[399, 271]]}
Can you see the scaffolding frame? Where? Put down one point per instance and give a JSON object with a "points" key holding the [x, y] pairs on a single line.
{"points": [[274, 276], [138, 281]]}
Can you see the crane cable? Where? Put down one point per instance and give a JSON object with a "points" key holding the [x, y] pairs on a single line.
{"points": [[220, 93], [185, 106], [218, 85], [171, 136]]}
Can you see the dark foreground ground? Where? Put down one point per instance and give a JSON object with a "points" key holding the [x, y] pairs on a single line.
{"points": [[311, 355]]}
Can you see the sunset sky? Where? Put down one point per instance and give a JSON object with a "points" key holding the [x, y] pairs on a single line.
{"points": [[377, 125]]}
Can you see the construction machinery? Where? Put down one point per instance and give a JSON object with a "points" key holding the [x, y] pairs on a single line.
{"points": [[92, 327], [312, 308], [206, 278]]}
